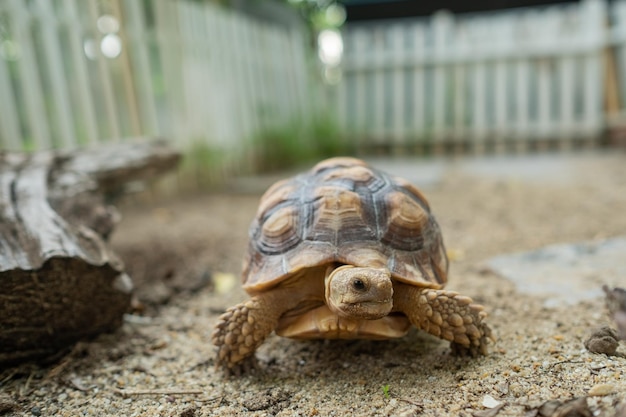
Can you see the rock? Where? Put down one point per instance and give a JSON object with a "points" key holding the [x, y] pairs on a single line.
{"points": [[564, 274], [603, 340], [601, 390]]}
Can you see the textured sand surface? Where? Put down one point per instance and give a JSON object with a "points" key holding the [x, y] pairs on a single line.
{"points": [[161, 362]]}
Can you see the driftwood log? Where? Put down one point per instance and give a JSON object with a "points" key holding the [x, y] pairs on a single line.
{"points": [[59, 280]]}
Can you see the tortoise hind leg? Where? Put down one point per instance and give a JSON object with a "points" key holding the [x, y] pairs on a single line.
{"points": [[447, 315]]}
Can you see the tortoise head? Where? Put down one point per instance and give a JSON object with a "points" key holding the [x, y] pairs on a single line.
{"points": [[359, 293]]}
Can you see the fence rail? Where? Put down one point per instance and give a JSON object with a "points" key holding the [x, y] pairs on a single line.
{"points": [[504, 78]]}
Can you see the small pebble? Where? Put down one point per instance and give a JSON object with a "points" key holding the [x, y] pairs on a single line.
{"points": [[490, 402], [603, 340], [36, 411], [503, 387], [601, 389], [597, 366]]}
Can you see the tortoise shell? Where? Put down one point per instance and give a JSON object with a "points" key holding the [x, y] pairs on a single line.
{"points": [[344, 212]]}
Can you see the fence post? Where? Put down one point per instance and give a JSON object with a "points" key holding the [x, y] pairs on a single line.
{"points": [[48, 22], [398, 99], [86, 108], [126, 72], [105, 78], [595, 18], [419, 84], [617, 134], [443, 22], [358, 59], [171, 59], [28, 77], [10, 132], [615, 87], [136, 42]]}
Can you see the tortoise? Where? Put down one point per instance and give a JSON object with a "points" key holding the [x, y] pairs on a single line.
{"points": [[345, 251]]}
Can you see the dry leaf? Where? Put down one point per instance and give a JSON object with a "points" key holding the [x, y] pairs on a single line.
{"points": [[224, 282]]}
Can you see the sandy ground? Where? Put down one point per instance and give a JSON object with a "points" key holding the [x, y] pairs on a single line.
{"points": [[183, 255]]}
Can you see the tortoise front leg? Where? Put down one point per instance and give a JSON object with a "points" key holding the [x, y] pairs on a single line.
{"points": [[447, 315], [244, 327]]}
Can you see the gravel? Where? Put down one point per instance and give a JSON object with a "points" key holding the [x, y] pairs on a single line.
{"points": [[163, 365]]}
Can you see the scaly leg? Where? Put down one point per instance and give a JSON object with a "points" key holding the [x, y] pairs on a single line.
{"points": [[244, 327], [241, 330], [447, 315]]}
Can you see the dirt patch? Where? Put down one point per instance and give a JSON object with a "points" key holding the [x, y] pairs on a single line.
{"points": [[161, 362]]}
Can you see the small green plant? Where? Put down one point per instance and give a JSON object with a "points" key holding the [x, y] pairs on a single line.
{"points": [[386, 390], [299, 142], [203, 164]]}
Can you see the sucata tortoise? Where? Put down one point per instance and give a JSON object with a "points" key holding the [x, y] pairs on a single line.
{"points": [[345, 251]]}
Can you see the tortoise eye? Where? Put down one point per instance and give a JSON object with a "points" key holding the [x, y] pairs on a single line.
{"points": [[358, 284]]}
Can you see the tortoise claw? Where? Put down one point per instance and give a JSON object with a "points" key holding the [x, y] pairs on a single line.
{"points": [[246, 366]]}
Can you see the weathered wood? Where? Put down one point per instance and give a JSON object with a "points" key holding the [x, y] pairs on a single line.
{"points": [[59, 280], [616, 303]]}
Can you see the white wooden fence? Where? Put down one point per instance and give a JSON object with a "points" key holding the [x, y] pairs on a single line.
{"points": [[507, 78], [190, 71], [202, 75]]}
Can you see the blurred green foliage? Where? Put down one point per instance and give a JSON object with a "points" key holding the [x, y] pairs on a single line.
{"points": [[296, 143], [283, 147], [320, 14], [203, 165], [317, 14]]}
